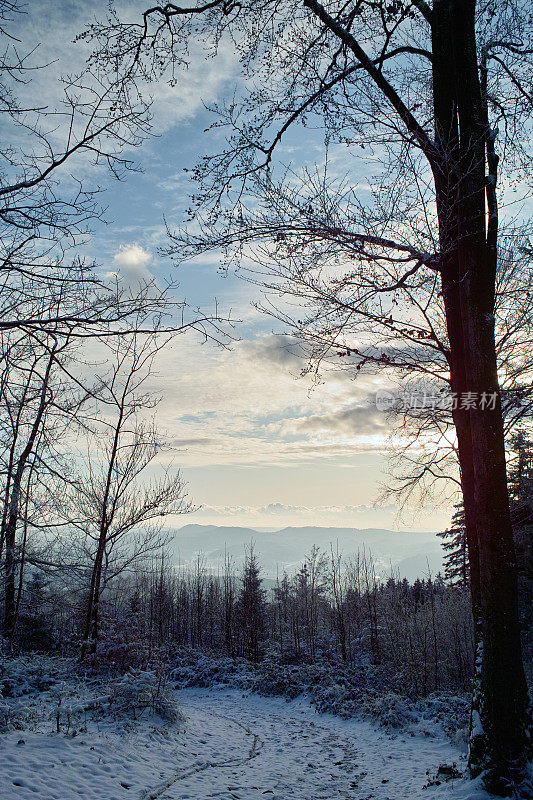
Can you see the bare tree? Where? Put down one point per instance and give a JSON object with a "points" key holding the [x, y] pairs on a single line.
{"points": [[339, 597], [424, 461], [34, 407], [116, 507], [50, 160], [45, 212], [229, 594], [50, 297]]}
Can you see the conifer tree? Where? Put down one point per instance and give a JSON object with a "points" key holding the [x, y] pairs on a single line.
{"points": [[521, 499], [251, 607], [454, 544]]}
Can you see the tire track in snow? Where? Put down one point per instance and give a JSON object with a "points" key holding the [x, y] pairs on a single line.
{"points": [[253, 752]]}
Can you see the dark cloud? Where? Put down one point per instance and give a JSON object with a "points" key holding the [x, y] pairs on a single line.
{"points": [[363, 420], [278, 350]]}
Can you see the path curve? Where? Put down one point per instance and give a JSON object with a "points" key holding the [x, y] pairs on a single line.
{"points": [[181, 774], [293, 753]]}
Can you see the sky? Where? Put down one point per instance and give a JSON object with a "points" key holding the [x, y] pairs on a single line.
{"points": [[258, 444]]}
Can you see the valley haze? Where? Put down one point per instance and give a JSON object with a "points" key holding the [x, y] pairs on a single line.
{"points": [[412, 554]]}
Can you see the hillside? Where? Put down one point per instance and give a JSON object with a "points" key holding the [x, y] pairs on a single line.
{"points": [[408, 552]]}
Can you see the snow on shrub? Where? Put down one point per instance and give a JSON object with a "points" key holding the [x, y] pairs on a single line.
{"points": [[143, 691], [346, 690]]}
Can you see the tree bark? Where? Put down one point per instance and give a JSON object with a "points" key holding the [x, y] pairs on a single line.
{"points": [[468, 280], [10, 519], [90, 630]]}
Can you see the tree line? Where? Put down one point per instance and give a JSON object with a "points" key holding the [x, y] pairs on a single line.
{"points": [[109, 592], [338, 609], [335, 607]]}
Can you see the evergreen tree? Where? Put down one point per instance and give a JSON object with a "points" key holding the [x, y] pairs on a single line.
{"points": [[521, 499], [453, 541], [251, 607], [520, 481], [35, 628], [281, 616], [520, 468]]}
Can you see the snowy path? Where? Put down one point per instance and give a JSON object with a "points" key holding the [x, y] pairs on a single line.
{"points": [[234, 748], [306, 756]]}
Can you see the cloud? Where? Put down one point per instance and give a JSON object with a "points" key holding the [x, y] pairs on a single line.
{"points": [[250, 405], [283, 508], [275, 515], [276, 350], [201, 440], [197, 83], [361, 420], [277, 509], [131, 263]]}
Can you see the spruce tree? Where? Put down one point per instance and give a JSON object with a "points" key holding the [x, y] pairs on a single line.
{"points": [[520, 482], [520, 471], [251, 607], [454, 544]]}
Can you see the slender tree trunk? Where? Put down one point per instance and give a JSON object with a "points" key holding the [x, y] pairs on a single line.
{"points": [[92, 614], [23, 549], [10, 563], [11, 518], [90, 632]]}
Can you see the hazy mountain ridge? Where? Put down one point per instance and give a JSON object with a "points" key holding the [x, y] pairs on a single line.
{"points": [[409, 552]]}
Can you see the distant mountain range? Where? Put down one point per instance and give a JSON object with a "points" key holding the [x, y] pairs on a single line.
{"points": [[406, 552]]}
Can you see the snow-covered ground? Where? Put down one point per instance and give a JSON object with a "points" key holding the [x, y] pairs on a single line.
{"points": [[230, 746]]}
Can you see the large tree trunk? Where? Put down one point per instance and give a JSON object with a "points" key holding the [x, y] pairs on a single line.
{"points": [[468, 275], [446, 184], [503, 685]]}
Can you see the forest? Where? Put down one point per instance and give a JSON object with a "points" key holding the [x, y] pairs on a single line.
{"points": [[335, 609]]}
